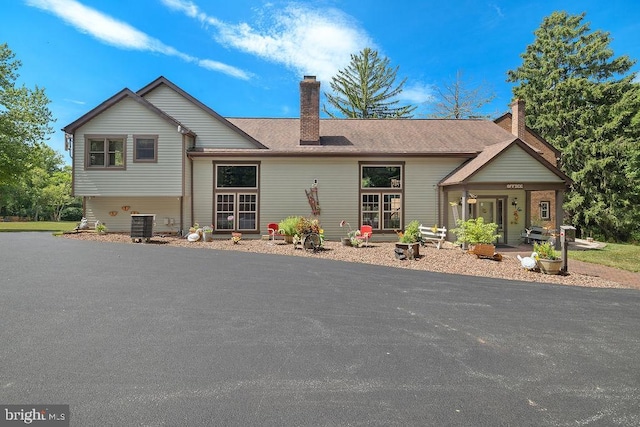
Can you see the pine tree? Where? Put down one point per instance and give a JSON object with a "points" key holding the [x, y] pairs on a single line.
{"points": [[583, 100], [366, 89]]}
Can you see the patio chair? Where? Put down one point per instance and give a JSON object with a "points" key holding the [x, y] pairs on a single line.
{"points": [[274, 230], [366, 231]]}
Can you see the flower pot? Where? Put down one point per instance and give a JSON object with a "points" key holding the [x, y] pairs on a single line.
{"points": [[550, 266], [483, 250], [412, 249], [288, 239], [346, 241]]}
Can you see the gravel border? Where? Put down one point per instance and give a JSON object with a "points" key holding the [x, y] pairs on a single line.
{"points": [[449, 259]]}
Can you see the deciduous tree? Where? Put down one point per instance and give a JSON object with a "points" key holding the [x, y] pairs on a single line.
{"points": [[24, 118], [456, 100]]}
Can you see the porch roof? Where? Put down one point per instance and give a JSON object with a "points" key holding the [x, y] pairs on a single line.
{"points": [[466, 171]]}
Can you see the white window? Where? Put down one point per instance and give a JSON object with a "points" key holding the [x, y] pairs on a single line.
{"points": [[545, 210]]}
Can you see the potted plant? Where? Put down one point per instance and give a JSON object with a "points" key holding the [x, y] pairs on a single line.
{"points": [[101, 228], [305, 227], [480, 235], [548, 259], [288, 227], [409, 240], [207, 233], [353, 236]]}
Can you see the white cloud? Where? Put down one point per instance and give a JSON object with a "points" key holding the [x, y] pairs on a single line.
{"points": [[120, 34], [417, 93], [308, 41], [223, 68], [497, 10], [74, 101]]}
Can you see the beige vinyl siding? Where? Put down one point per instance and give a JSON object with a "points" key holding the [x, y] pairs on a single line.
{"points": [[203, 191], [283, 187], [187, 185], [127, 117], [211, 132], [515, 165], [421, 187], [98, 208]]}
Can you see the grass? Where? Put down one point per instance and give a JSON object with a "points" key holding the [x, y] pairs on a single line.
{"points": [[38, 226], [625, 257]]}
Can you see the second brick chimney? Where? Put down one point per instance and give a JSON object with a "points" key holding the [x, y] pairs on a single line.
{"points": [[518, 127], [309, 111]]}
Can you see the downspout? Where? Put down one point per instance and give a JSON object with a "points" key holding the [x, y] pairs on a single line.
{"points": [[438, 207], [184, 157], [191, 187]]}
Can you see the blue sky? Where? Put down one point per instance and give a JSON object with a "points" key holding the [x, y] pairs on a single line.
{"points": [[244, 58]]}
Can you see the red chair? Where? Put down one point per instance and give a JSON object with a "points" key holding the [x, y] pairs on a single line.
{"points": [[366, 231], [274, 230]]}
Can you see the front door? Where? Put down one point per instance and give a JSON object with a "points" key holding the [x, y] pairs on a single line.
{"points": [[492, 210]]}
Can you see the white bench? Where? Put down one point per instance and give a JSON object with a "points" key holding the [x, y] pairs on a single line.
{"points": [[85, 225], [433, 234], [536, 233]]}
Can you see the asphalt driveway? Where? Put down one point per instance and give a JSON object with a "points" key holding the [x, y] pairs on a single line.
{"points": [[152, 335]]}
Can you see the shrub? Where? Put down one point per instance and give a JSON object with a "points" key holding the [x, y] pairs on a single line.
{"points": [[288, 225], [475, 230], [71, 213], [411, 233]]}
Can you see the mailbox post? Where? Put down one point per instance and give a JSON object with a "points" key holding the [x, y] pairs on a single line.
{"points": [[567, 234]]}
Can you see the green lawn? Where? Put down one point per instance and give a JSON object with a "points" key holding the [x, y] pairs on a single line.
{"points": [[38, 226], [626, 257]]}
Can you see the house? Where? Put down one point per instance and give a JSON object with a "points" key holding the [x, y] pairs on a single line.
{"points": [[161, 151]]}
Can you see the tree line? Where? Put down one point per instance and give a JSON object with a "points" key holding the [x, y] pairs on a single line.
{"points": [[34, 181]]}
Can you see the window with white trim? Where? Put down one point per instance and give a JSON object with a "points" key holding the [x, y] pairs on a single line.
{"points": [[545, 210], [105, 151], [381, 190], [236, 197]]}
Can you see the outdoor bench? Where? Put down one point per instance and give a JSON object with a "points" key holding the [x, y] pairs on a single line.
{"points": [[433, 234], [536, 233]]}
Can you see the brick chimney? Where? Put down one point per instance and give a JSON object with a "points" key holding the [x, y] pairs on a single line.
{"points": [[309, 111], [517, 118]]}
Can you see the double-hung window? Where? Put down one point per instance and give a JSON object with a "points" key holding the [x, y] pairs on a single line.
{"points": [[145, 148], [236, 197], [381, 191], [105, 152]]}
